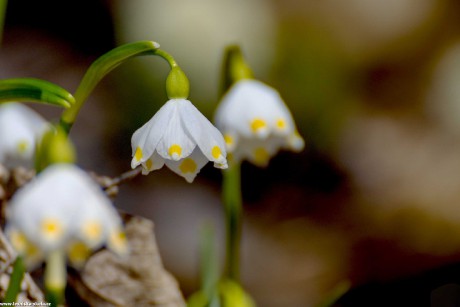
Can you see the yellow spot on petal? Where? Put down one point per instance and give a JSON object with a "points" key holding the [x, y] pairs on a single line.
{"points": [[51, 228], [92, 231], [117, 242], [149, 164], [78, 252], [19, 241], [32, 251], [261, 156], [138, 154], [188, 166], [281, 123], [228, 139], [22, 146], [175, 151], [258, 124], [216, 153]]}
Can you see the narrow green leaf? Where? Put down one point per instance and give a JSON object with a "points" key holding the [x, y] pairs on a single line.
{"points": [[34, 90], [14, 287]]}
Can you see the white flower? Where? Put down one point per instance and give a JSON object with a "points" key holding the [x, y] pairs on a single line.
{"points": [[179, 136], [62, 209], [20, 127], [256, 123]]}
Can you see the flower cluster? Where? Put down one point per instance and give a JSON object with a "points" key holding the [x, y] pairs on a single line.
{"points": [[256, 123], [63, 209], [179, 136]]}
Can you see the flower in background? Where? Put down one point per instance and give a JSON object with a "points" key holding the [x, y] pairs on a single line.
{"points": [[63, 209], [20, 127], [256, 123], [179, 136]]}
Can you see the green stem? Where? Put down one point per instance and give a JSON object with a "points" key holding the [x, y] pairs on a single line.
{"points": [[55, 278], [234, 68], [98, 70], [102, 66], [169, 58], [208, 262], [233, 203], [14, 286]]}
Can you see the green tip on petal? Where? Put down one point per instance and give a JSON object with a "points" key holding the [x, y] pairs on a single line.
{"points": [[34, 90]]}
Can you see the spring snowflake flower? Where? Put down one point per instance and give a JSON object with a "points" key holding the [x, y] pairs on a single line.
{"points": [[256, 123], [63, 209], [179, 136], [20, 127]]}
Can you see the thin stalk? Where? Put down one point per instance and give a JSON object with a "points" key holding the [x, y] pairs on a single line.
{"points": [[233, 206], [98, 70], [104, 65], [55, 278]]}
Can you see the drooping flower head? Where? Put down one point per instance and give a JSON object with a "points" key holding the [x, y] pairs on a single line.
{"points": [[20, 127], [178, 135], [62, 209], [255, 122]]}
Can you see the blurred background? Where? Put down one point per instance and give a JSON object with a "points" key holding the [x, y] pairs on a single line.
{"points": [[374, 199]]}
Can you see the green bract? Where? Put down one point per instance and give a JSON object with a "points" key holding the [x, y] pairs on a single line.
{"points": [[177, 84], [54, 147], [34, 90]]}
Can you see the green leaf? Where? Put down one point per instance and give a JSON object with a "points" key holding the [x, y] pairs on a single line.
{"points": [[14, 286], [34, 90]]}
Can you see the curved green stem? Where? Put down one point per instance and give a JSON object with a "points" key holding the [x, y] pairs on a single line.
{"points": [[169, 58], [233, 203], [105, 64], [98, 70]]}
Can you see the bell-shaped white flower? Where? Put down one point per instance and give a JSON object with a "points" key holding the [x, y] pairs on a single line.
{"points": [[63, 209], [20, 127], [256, 123], [179, 136]]}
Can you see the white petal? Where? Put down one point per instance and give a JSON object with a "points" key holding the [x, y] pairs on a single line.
{"points": [[176, 142], [253, 109], [207, 137], [20, 127], [295, 142], [231, 140], [94, 220], [190, 166], [149, 135], [153, 163], [259, 152]]}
